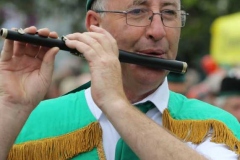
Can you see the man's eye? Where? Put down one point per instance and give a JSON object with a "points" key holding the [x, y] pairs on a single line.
{"points": [[137, 11], [169, 12]]}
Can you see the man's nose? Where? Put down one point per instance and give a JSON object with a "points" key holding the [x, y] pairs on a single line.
{"points": [[156, 29]]}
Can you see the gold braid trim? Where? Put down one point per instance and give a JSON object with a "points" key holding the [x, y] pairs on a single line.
{"points": [[100, 150], [61, 147], [195, 131]]}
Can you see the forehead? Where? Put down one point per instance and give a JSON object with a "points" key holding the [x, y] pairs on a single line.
{"points": [[161, 3]]}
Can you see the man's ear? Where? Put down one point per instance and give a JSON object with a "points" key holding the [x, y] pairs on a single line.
{"points": [[92, 18]]}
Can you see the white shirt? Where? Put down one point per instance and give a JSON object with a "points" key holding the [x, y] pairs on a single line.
{"points": [[209, 149]]}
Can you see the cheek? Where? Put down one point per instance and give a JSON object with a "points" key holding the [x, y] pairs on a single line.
{"points": [[173, 38], [127, 37], [173, 34]]}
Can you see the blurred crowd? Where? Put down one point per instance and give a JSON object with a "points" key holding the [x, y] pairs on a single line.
{"points": [[221, 69], [220, 85]]}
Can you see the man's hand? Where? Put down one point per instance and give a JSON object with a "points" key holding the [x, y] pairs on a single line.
{"points": [[25, 76], [26, 71], [101, 51]]}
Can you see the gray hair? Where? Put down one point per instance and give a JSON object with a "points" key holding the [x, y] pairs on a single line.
{"points": [[99, 5]]}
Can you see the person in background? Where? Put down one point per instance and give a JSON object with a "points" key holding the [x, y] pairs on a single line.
{"points": [[207, 89], [177, 82], [127, 112], [229, 95]]}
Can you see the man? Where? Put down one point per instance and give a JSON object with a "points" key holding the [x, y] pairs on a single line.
{"points": [[69, 126], [229, 95]]}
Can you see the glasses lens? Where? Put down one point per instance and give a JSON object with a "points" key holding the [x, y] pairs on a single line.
{"points": [[174, 19], [142, 17], [139, 17]]}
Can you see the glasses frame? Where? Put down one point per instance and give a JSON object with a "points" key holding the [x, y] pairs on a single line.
{"points": [[183, 19]]}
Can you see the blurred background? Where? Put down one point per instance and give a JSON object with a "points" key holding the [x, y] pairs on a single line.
{"points": [[210, 42]]}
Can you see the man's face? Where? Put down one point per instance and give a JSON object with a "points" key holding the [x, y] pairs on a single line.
{"points": [[155, 39], [232, 105]]}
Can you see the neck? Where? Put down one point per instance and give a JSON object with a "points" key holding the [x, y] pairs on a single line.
{"points": [[137, 93]]}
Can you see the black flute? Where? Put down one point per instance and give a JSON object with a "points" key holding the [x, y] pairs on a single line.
{"points": [[124, 56]]}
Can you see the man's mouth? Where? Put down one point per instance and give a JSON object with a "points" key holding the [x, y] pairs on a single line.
{"points": [[153, 53]]}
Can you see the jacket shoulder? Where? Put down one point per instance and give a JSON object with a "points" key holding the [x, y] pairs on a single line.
{"points": [[56, 117]]}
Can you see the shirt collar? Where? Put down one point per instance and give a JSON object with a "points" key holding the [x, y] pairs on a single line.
{"points": [[159, 98]]}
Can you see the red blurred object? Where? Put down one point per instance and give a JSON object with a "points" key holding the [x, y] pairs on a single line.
{"points": [[209, 65]]}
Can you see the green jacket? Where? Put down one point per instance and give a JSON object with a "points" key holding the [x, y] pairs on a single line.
{"points": [[64, 128]]}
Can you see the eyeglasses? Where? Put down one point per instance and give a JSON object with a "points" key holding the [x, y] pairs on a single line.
{"points": [[142, 17]]}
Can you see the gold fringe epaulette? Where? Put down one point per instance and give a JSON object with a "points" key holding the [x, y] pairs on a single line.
{"points": [[61, 147], [196, 131]]}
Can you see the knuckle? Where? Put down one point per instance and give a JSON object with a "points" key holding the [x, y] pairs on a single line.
{"points": [[77, 33], [103, 36], [114, 41], [94, 41]]}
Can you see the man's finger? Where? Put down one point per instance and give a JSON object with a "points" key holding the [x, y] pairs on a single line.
{"points": [[44, 32], [53, 35], [41, 52], [7, 51], [20, 48], [48, 62], [31, 30]]}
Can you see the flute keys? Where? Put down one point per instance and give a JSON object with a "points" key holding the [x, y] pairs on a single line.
{"points": [[20, 31], [74, 52], [64, 38]]}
